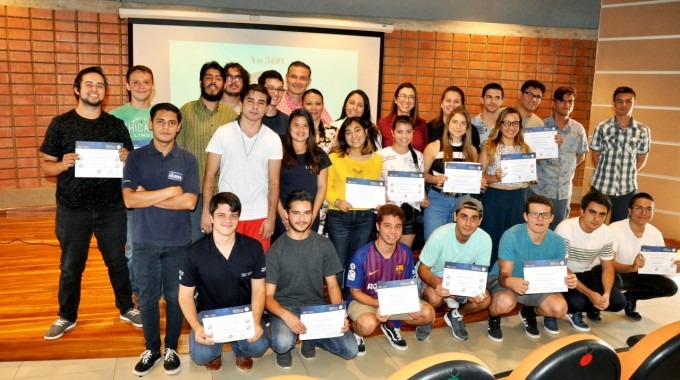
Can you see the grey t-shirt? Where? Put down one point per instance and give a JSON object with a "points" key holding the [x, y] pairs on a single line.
{"points": [[298, 269]]}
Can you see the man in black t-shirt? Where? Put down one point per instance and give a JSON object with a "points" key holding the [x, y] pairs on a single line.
{"points": [[224, 269], [87, 206]]}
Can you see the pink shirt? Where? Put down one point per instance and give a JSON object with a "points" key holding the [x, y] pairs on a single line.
{"points": [[287, 105]]}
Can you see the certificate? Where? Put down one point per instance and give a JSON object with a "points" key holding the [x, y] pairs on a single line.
{"points": [[546, 276], [323, 321], [98, 160], [364, 193], [542, 141], [463, 177], [658, 259], [518, 167], [468, 280], [398, 297], [229, 324], [405, 186]]}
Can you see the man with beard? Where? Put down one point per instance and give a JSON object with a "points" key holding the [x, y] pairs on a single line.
{"points": [[297, 265], [529, 100], [202, 117], [236, 82], [87, 206]]}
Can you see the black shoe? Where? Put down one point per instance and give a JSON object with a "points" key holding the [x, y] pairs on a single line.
{"points": [[284, 361], [147, 360], [494, 331], [631, 312], [528, 316], [393, 335], [594, 316], [171, 362], [307, 350]]}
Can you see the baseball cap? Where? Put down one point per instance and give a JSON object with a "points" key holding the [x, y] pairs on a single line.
{"points": [[470, 203]]}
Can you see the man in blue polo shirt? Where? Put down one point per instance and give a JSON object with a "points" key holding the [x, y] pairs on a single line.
{"points": [[224, 269], [160, 181]]}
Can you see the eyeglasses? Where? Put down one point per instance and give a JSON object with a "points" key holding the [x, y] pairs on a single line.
{"points": [[406, 97], [532, 95], [536, 214], [640, 208], [234, 78], [508, 123], [280, 90]]}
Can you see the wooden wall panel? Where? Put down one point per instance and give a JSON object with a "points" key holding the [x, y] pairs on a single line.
{"points": [[669, 224], [666, 199], [664, 123], [659, 19], [645, 55], [663, 160], [651, 89]]}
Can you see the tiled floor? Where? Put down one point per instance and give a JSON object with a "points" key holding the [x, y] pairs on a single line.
{"points": [[380, 361]]}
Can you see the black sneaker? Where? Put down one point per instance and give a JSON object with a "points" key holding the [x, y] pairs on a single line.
{"points": [[360, 344], [147, 360], [576, 320], [307, 350], [393, 335], [550, 325], [594, 316], [455, 321], [494, 331], [171, 361], [423, 332], [284, 361], [528, 316]]}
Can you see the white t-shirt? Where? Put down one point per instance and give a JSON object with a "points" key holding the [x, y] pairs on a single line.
{"points": [[393, 161], [244, 166], [627, 245], [584, 249]]}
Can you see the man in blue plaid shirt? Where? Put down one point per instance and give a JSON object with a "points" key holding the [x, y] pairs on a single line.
{"points": [[619, 148]]}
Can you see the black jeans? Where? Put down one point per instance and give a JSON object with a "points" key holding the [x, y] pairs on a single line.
{"points": [[647, 286], [74, 229], [578, 302]]}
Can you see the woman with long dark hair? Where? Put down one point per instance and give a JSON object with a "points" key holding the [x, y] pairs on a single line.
{"points": [[405, 103], [357, 104]]}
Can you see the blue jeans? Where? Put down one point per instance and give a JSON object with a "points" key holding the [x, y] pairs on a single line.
{"points": [[196, 233], [156, 266], [203, 354], [128, 251], [439, 212], [348, 231], [282, 339], [74, 230]]}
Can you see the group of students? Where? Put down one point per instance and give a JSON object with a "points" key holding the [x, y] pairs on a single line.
{"points": [[282, 195]]}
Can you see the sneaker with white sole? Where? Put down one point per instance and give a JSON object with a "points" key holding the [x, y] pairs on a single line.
{"points": [[576, 320], [171, 362], [360, 344], [528, 317], [147, 360], [393, 335], [550, 325], [423, 332], [494, 331], [454, 320], [132, 316], [58, 328]]}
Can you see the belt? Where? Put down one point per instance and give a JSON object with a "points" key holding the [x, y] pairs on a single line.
{"points": [[449, 195]]}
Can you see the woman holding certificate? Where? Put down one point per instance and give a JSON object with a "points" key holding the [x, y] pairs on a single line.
{"points": [[354, 190], [503, 201], [455, 145], [304, 167], [404, 188]]}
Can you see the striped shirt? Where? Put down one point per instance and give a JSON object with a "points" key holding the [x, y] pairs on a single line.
{"points": [[584, 249], [368, 267], [616, 172], [198, 125]]}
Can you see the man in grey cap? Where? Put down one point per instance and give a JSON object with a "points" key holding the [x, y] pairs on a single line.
{"points": [[461, 242]]}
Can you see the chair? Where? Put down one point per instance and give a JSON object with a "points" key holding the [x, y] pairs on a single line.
{"points": [[444, 366], [656, 356], [580, 356]]}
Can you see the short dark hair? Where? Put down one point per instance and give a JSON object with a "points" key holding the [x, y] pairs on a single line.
{"points": [[312, 91], [402, 119], [298, 196], [493, 86], [389, 210], [597, 197], [269, 74], [624, 90], [88, 70], [639, 196], [226, 198], [537, 199], [255, 88], [141, 68], [533, 83], [212, 65], [299, 64], [166, 107], [561, 92]]}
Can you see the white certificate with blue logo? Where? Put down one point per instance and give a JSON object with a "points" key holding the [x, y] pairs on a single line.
{"points": [[658, 260], [405, 186], [518, 167], [98, 159], [541, 140], [398, 297], [545, 276], [364, 193], [323, 321], [463, 177], [229, 324], [467, 280]]}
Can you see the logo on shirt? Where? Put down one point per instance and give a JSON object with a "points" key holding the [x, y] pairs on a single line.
{"points": [[399, 269], [174, 176], [351, 275], [374, 272], [246, 274], [181, 273]]}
